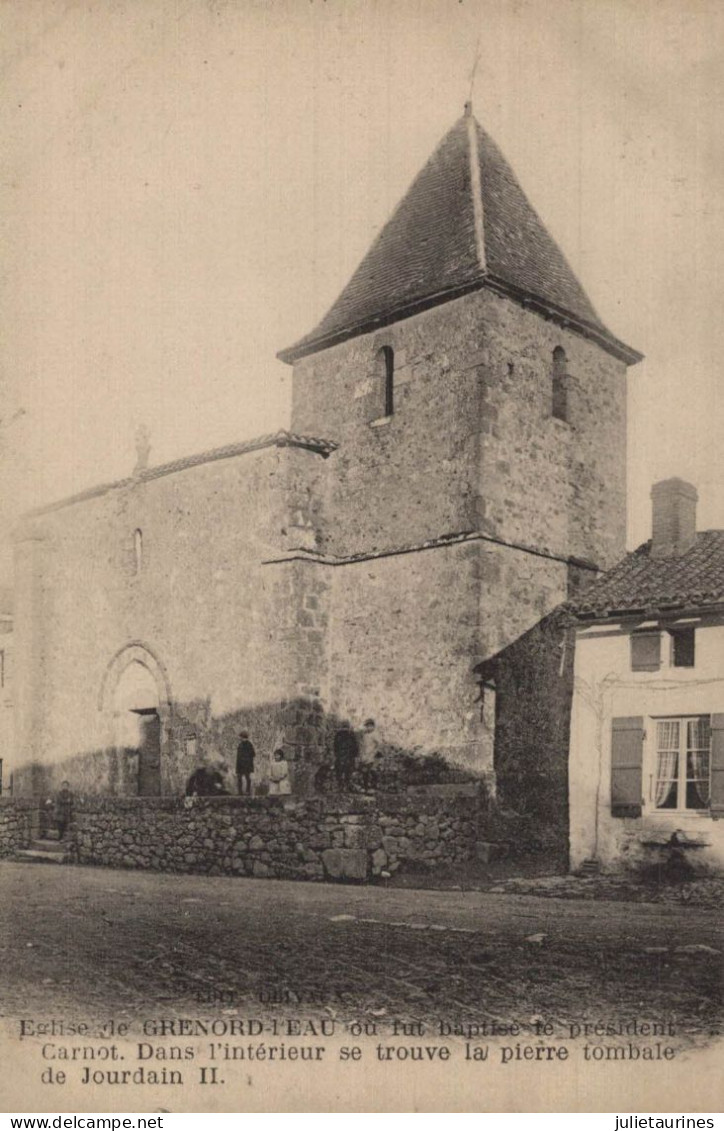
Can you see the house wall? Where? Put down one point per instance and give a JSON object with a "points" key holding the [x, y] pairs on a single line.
{"points": [[605, 688]]}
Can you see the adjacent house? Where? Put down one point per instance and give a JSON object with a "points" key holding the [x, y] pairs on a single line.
{"points": [[647, 728]]}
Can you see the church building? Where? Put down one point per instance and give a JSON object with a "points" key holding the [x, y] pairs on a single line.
{"points": [[455, 466]]}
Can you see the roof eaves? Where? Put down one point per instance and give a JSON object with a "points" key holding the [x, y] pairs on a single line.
{"points": [[312, 344], [607, 614], [606, 340], [548, 309]]}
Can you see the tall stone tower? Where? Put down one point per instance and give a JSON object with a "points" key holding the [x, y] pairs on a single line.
{"points": [[479, 407]]}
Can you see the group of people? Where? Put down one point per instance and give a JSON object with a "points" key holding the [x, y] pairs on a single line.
{"points": [[354, 757], [211, 780], [355, 760]]}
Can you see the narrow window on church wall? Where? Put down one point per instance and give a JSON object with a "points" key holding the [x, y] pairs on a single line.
{"points": [[559, 401]]}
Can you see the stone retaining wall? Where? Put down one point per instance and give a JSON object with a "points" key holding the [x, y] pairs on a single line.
{"points": [[310, 839], [17, 816]]}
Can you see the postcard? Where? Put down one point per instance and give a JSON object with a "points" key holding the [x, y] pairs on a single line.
{"points": [[362, 595]]}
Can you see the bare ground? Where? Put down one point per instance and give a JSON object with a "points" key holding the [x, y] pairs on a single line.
{"points": [[97, 943]]}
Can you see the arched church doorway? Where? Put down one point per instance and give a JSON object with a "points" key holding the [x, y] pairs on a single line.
{"points": [[138, 729]]}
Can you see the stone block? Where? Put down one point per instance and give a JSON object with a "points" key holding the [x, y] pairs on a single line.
{"points": [[374, 837], [486, 851], [345, 863], [355, 836]]}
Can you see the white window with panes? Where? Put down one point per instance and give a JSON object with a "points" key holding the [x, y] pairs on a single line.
{"points": [[680, 777]]}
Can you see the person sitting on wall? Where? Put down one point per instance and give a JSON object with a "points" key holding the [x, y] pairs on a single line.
{"points": [[345, 751], [206, 781], [63, 809], [245, 755], [279, 780]]}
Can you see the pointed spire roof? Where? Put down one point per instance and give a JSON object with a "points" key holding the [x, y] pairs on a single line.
{"points": [[464, 223]]}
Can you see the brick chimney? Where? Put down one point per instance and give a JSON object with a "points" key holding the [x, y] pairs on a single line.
{"points": [[674, 518]]}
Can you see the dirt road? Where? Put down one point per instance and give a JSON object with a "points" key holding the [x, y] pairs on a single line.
{"points": [[97, 942]]}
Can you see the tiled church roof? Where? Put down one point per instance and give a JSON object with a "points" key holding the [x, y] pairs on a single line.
{"points": [[641, 583], [280, 439], [437, 245]]}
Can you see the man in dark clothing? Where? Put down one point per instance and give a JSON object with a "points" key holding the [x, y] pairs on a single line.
{"points": [[63, 809], [245, 755], [345, 755]]}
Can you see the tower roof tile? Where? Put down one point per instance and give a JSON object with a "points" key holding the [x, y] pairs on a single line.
{"points": [[464, 223]]}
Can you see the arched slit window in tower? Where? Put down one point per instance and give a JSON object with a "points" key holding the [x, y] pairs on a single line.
{"points": [[386, 371], [559, 394], [138, 550]]}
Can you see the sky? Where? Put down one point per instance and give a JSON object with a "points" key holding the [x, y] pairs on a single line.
{"points": [[187, 185]]}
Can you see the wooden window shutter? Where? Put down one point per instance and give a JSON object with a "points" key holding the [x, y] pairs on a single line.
{"points": [[646, 651], [627, 749], [717, 765]]}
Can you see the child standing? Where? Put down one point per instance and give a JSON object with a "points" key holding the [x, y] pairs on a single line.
{"points": [[279, 781]]}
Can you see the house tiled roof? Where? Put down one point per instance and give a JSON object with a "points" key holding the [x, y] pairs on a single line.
{"points": [[464, 223], [641, 583]]}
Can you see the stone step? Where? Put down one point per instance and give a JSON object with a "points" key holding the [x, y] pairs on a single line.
{"points": [[45, 844], [41, 856]]}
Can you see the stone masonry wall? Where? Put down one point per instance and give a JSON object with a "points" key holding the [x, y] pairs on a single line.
{"points": [[16, 824], [472, 443], [533, 681], [225, 637], [414, 475], [311, 839], [553, 484], [405, 631]]}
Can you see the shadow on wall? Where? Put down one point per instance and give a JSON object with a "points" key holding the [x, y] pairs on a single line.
{"points": [[533, 682], [192, 736]]}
